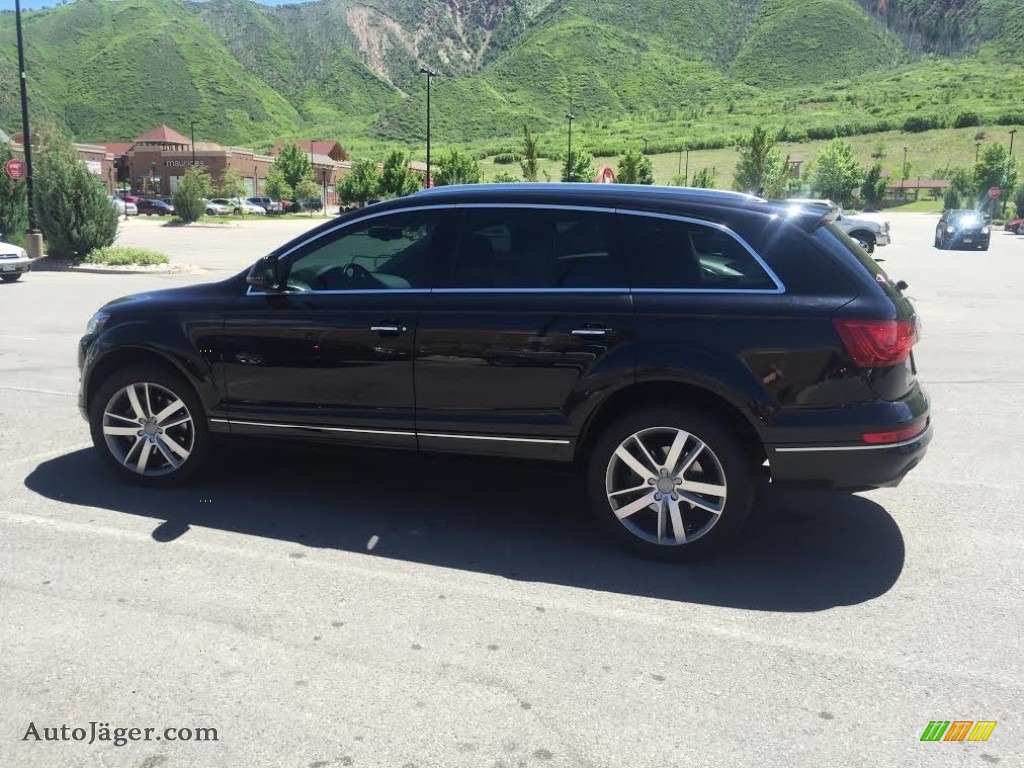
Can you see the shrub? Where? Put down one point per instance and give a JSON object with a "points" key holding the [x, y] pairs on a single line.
{"points": [[921, 123], [73, 210], [507, 158], [189, 194], [122, 255], [13, 203], [967, 120]]}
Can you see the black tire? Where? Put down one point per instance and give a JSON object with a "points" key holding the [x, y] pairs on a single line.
{"points": [[730, 463], [866, 239], [195, 437], [11, 278]]}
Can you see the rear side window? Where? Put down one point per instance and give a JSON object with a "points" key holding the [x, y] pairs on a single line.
{"points": [[673, 254], [534, 248], [832, 236]]}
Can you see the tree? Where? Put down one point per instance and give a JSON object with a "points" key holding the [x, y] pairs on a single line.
{"points": [[277, 186], [13, 202], [951, 200], [504, 178], [704, 179], [874, 187], [294, 164], [361, 184], [635, 168], [72, 206], [995, 168], [307, 189], [578, 167], [190, 193], [456, 168], [397, 179], [232, 184], [761, 168], [837, 172], [1018, 201], [529, 161]]}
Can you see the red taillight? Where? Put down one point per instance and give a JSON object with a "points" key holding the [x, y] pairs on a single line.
{"points": [[873, 343], [913, 429]]}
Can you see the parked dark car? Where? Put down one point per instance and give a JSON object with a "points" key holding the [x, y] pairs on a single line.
{"points": [[963, 229], [313, 204], [666, 342], [148, 207]]}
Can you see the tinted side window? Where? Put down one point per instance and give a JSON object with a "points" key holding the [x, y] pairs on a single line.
{"points": [[534, 248], [383, 252], [666, 253]]}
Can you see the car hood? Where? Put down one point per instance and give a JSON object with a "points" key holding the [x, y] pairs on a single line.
{"points": [[9, 248], [202, 295]]}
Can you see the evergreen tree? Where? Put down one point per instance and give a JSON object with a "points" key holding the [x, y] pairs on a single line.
{"points": [[529, 161], [194, 186], [635, 168], [74, 213], [13, 202]]}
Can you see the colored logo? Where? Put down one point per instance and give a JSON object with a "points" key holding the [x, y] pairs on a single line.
{"points": [[958, 730]]}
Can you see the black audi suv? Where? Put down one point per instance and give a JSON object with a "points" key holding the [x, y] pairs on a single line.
{"points": [[964, 229], [672, 345]]}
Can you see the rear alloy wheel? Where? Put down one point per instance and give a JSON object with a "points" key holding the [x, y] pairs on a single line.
{"points": [[671, 484], [148, 425]]}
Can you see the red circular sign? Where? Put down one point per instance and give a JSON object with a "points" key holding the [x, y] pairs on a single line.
{"points": [[994, 192], [15, 168]]}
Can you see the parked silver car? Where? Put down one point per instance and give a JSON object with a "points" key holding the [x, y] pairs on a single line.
{"points": [[133, 210], [14, 262]]}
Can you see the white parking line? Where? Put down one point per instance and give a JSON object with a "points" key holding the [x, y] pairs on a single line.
{"points": [[39, 391]]}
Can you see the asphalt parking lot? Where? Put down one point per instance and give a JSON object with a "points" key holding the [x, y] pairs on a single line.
{"points": [[491, 625]]}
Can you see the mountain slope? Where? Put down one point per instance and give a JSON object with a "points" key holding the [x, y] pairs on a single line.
{"points": [[114, 70]]}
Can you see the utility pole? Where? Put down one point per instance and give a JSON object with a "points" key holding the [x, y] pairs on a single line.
{"points": [[1012, 132], [193, 143], [431, 74], [34, 240], [568, 158]]}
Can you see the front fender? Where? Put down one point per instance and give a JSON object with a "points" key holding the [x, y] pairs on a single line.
{"points": [[188, 348]]}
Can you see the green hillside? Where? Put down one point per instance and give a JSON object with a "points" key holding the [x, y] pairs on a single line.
{"points": [[697, 73]]}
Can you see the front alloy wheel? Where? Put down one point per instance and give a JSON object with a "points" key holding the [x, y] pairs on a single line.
{"points": [[149, 425], [672, 483]]}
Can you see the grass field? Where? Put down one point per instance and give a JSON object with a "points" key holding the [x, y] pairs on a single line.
{"points": [[927, 152]]}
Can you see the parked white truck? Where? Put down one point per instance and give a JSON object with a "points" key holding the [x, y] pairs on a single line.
{"points": [[867, 230]]}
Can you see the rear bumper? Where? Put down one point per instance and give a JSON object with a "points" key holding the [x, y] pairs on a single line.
{"points": [[850, 467], [882, 238]]}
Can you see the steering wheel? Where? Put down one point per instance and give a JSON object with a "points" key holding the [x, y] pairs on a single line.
{"points": [[359, 274]]}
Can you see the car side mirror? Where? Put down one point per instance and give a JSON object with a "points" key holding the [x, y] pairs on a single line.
{"points": [[263, 276]]}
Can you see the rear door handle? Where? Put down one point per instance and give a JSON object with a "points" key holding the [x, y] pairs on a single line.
{"points": [[591, 331], [389, 328]]}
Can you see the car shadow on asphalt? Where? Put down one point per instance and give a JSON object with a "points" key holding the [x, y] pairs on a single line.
{"points": [[801, 550]]}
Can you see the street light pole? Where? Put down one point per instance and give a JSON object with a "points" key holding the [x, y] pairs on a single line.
{"points": [[686, 178], [568, 158], [645, 143], [193, 143], [431, 74], [34, 241], [1012, 132], [904, 178], [977, 149]]}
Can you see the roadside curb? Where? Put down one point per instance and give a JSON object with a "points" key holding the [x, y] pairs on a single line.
{"points": [[41, 265]]}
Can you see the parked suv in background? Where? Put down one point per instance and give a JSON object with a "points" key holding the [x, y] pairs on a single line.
{"points": [[667, 342], [266, 204], [865, 229], [963, 229]]}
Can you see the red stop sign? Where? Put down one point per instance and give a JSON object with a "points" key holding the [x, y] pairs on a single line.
{"points": [[15, 168], [994, 192]]}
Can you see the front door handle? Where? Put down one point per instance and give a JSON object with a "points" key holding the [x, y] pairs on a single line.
{"points": [[389, 328], [591, 331]]}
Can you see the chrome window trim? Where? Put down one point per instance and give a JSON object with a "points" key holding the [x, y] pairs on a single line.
{"points": [[802, 449], [361, 291], [779, 286]]}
